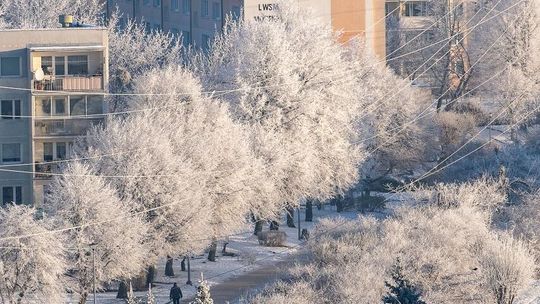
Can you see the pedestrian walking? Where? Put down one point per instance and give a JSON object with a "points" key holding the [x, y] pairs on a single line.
{"points": [[176, 294]]}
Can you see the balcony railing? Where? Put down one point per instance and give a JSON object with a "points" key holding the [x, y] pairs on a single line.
{"points": [[43, 170], [69, 83], [64, 127]]}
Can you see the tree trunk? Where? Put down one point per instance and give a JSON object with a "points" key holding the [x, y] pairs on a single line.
{"points": [[122, 290], [183, 264], [150, 275], [290, 217], [224, 250], [274, 225], [309, 211], [258, 226], [212, 252], [339, 204], [169, 270]]}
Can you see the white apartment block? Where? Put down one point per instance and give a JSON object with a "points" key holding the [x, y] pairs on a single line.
{"points": [[51, 91]]}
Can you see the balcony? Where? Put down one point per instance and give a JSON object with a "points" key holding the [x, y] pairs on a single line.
{"points": [[69, 83], [42, 170], [64, 127]]}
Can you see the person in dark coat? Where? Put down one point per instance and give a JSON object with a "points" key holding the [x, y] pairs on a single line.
{"points": [[176, 294]]}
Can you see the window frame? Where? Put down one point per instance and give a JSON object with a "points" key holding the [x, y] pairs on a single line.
{"points": [[186, 7], [11, 162], [16, 200], [204, 8], [409, 9], [13, 109]]}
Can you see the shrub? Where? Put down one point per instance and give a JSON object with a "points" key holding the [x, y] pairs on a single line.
{"points": [[370, 203], [272, 238]]}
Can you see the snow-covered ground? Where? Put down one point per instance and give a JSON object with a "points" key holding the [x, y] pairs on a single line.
{"points": [[248, 256]]}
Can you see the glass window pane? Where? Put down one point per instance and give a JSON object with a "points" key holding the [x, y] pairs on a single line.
{"points": [[18, 195], [17, 108], [7, 195], [77, 106], [94, 105], [6, 109], [11, 153], [47, 151], [186, 6], [46, 65], [59, 106], [78, 65], [59, 67], [61, 150]]}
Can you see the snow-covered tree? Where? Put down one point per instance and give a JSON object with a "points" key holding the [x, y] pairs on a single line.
{"points": [[133, 52], [150, 298], [29, 14], [31, 268], [104, 232], [203, 293], [131, 299], [294, 90]]}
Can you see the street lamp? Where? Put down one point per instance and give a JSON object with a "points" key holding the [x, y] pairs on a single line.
{"points": [[93, 247], [189, 271]]}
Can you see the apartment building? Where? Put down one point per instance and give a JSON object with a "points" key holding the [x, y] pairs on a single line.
{"points": [[198, 20], [51, 91]]}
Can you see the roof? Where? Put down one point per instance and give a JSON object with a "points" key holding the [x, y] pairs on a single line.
{"points": [[67, 48]]}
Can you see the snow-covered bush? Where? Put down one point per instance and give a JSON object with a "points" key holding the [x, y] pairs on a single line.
{"points": [[31, 268], [272, 238], [454, 130], [203, 293]]}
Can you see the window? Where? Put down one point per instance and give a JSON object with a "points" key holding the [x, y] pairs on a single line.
{"points": [[77, 106], [55, 151], [416, 9], [146, 2], [235, 12], [186, 38], [186, 6], [204, 8], [10, 66], [94, 105], [10, 109], [216, 10], [157, 3], [11, 153], [175, 5], [78, 65], [59, 106], [47, 65], [59, 65], [11, 195]]}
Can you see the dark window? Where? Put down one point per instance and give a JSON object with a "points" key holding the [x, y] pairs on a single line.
{"points": [[416, 9], [11, 153], [10, 109], [216, 10], [175, 5], [186, 6], [59, 67], [78, 65], [12, 195], [48, 153], [47, 65], [94, 105], [77, 106], [186, 38], [60, 106], [204, 8], [10, 66], [157, 3], [61, 150]]}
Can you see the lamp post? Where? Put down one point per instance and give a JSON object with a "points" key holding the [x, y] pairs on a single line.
{"points": [[93, 247], [188, 271], [299, 230]]}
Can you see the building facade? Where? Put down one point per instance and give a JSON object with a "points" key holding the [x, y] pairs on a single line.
{"points": [[198, 20], [51, 91]]}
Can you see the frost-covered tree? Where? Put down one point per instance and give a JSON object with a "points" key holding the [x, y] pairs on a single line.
{"points": [[294, 90], [400, 290], [133, 52], [28, 14], [202, 132], [203, 293], [31, 268], [104, 232], [150, 298]]}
